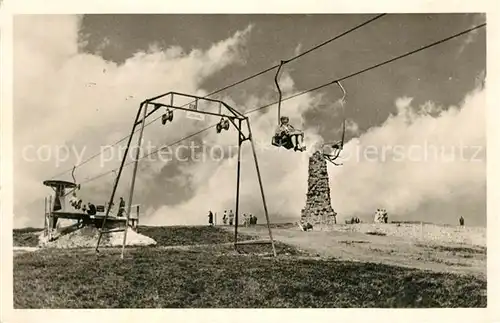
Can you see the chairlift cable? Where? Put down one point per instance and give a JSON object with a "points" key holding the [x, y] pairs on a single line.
{"points": [[317, 88], [242, 81]]}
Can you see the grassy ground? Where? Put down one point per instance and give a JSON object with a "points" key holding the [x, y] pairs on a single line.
{"points": [[26, 237], [438, 256], [186, 235], [198, 267], [164, 236], [154, 277]]}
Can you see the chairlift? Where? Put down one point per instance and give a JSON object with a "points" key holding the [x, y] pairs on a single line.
{"points": [[167, 116], [286, 135], [222, 125]]}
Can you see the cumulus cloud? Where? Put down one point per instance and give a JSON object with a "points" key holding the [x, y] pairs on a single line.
{"points": [[63, 97], [422, 163], [419, 156], [471, 37], [284, 173], [351, 127], [298, 49]]}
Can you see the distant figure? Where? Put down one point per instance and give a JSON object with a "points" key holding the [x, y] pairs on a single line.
{"points": [[121, 208], [381, 216], [224, 218], [246, 220], [91, 209], [79, 204], [462, 221], [253, 220], [305, 226], [210, 218], [73, 200], [353, 220], [231, 217]]}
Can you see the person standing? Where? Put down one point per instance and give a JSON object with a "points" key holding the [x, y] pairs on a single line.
{"points": [[224, 218], [121, 208], [210, 218], [461, 221], [231, 217]]}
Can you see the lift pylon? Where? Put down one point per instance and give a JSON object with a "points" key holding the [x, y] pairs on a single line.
{"points": [[229, 116]]}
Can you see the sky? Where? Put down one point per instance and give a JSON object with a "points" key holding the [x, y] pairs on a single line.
{"points": [[415, 140]]}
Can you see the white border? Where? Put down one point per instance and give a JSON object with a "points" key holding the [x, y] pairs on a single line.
{"points": [[262, 6]]}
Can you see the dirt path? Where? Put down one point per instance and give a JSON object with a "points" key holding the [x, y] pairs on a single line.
{"points": [[357, 246]]}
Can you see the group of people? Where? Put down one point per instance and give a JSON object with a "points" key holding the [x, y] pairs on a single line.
{"points": [[353, 220], [228, 218], [78, 204], [249, 219]]}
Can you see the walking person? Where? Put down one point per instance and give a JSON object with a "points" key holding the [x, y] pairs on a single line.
{"points": [[231, 217]]}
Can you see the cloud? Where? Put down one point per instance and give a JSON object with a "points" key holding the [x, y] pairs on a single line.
{"points": [[284, 173], [298, 49], [417, 157], [471, 37], [62, 97], [424, 163], [103, 45], [351, 127]]}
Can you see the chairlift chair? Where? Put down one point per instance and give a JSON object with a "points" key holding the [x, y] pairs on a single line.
{"points": [[222, 125], [283, 138], [337, 146], [167, 116]]}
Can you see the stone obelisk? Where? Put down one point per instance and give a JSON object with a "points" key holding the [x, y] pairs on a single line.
{"points": [[318, 209]]}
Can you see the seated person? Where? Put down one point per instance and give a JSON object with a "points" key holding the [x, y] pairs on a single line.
{"points": [[286, 130], [73, 201], [91, 209]]}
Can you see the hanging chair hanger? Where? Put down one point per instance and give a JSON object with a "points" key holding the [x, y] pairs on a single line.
{"points": [[337, 146]]}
